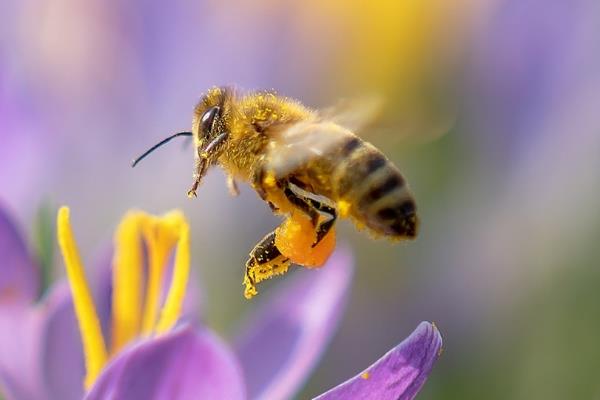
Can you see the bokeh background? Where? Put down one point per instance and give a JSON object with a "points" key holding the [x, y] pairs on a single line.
{"points": [[491, 110]]}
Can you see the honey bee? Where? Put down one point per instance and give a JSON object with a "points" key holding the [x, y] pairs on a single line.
{"points": [[307, 168]]}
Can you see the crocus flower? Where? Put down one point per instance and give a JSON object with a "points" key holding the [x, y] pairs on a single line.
{"points": [[35, 337], [131, 317], [177, 359], [187, 364]]}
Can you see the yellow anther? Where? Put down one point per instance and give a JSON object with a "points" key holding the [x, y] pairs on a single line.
{"points": [[173, 304], [132, 315], [94, 348], [160, 234], [127, 280]]}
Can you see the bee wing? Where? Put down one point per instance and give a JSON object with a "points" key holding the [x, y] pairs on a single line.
{"points": [[301, 142], [388, 123], [297, 144], [354, 114]]}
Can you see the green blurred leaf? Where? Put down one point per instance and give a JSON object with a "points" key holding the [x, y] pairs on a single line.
{"points": [[44, 241]]}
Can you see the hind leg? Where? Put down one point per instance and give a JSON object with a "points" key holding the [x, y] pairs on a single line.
{"points": [[265, 262], [306, 236], [323, 216]]}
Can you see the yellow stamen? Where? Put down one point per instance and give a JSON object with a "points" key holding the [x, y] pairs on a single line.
{"points": [[156, 260], [94, 347], [172, 307], [127, 281], [160, 235]]}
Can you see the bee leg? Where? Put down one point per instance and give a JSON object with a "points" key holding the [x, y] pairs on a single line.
{"points": [[324, 227], [265, 262], [257, 183], [314, 209], [302, 204], [232, 186]]}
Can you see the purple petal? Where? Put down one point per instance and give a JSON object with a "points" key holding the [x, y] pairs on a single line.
{"points": [[398, 375], [19, 275], [61, 349], [19, 351], [12, 388], [283, 342], [101, 277], [184, 364], [41, 350]]}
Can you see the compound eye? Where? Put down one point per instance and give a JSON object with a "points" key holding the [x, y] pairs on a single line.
{"points": [[208, 119]]}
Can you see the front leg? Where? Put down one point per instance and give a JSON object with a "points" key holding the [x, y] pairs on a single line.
{"points": [[232, 186], [262, 188], [258, 183]]}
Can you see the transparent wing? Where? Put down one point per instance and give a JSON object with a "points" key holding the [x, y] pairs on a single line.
{"points": [[298, 144], [354, 114], [382, 122]]}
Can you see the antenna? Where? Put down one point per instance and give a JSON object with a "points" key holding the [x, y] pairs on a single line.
{"points": [[157, 145]]}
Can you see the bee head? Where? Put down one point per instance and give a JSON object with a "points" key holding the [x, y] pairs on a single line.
{"points": [[210, 131]]}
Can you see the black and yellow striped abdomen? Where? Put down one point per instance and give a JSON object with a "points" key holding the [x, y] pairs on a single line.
{"points": [[372, 190]]}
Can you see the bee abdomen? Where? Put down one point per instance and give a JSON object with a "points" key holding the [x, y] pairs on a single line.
{"points": [[376, 191]]}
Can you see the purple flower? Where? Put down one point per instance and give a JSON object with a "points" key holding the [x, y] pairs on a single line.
{"points": [[271, 358], [40, 352], [188, 363], [22, 322], [19, 280], [399, 374]]}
